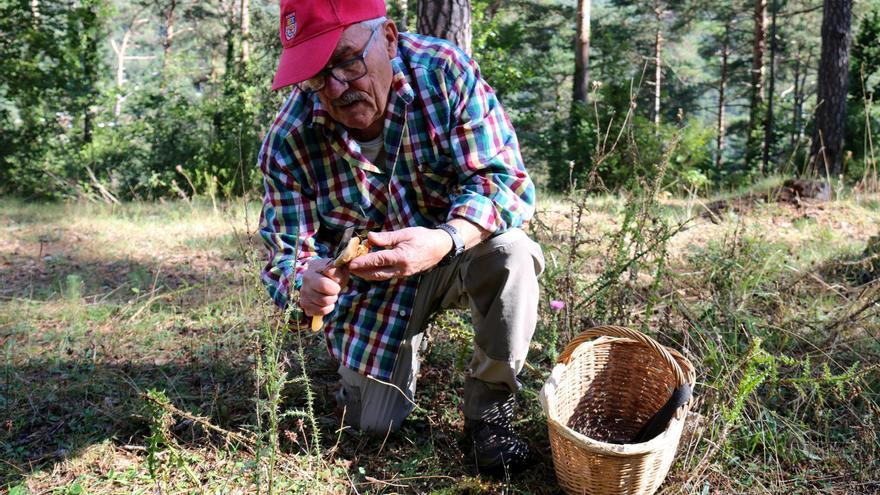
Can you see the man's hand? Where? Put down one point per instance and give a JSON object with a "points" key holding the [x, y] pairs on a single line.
{"points": [[411, 250], [321, 285]]}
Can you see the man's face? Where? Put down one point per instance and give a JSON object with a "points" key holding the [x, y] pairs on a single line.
{"points": [[360, 104]]}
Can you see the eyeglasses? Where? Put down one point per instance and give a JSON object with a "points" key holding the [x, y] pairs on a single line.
{"points": [[344, 72]]}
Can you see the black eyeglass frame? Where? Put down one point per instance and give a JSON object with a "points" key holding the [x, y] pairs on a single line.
{"points": [[328, 71]]}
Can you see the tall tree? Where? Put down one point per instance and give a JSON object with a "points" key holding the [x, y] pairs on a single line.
{"points": [[827, 150], [771, 87], [245, 32], [582, 53], [449, 19], [722, 88], [658, 50], [403, 9], [85, 31], [168, 11], [756, 97], [120, 49]]}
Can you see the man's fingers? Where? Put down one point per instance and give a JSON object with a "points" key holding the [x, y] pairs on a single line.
{"points": [[376, 274], [337, 274], [318, 310], [388, 238], [326, 286], [374, 260], [324, 301]]}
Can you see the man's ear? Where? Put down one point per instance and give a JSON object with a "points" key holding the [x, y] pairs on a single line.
{"points": [[390, 38]]}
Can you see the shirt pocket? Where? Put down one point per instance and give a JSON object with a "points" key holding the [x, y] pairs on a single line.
{"points": [[433, 181], [360, 201]]}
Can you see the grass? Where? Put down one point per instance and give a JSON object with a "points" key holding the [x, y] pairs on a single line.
{"points": [[140, 353]]}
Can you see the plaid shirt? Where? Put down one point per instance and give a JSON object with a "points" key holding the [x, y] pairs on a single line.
{"points": [[450, 153]]}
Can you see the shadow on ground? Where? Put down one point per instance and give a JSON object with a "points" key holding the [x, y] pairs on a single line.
{"points": [[55, 408]]}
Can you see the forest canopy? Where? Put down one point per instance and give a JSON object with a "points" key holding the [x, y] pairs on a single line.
{"points": [[119, 100]]}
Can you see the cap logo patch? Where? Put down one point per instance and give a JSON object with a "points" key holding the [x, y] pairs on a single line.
{"points": [[290, 26]]}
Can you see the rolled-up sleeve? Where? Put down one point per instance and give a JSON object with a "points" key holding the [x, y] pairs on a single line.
{"points": [[496, 192], [288, 223]]}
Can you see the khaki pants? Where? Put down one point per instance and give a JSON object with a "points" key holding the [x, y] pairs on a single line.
{"points": [[498, 281]]}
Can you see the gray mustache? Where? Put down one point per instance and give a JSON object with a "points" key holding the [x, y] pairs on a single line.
{"points": [[349, 97]]}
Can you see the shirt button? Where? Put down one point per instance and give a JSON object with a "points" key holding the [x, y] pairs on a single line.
{"points": [[402, 313]]}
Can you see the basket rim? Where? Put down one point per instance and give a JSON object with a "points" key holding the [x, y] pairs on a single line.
{"points": [[595, 334], [616, 449]]}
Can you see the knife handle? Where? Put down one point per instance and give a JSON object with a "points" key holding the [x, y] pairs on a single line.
{"points": [[317, 322]]}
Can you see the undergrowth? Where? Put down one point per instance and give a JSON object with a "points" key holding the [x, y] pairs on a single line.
{"points": [[127, 368]]}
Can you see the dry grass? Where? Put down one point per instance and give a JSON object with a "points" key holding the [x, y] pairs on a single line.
{"points": [[100, 304]]}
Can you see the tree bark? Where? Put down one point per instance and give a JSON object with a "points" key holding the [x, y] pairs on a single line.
{"points": [[722, 87], [757, 73], [582, 53], [90, 63], [245, 32], [771, 85], [119, 49], [230, 35], [449, 19], [801, 73], [169, 37], [658, 46], [796, 114], [827, 150], [403, 7]]}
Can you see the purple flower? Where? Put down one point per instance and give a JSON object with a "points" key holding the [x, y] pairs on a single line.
{"points": [[556, 305]]}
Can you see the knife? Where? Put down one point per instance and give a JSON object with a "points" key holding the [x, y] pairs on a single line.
{"points": [[318, 320]]}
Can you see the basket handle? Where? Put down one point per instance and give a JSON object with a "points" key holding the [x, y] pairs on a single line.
{"points": [[615, 331]]}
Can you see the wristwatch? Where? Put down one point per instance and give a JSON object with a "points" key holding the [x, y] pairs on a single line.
{"points": [[457, 244]]}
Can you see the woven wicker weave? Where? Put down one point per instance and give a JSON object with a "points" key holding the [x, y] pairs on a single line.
{"points": [[609, 388]]}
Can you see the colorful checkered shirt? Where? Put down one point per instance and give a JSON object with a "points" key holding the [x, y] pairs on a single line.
{"points": [[450, 153]]}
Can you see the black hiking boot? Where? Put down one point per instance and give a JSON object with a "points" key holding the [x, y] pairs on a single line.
{"points": [[495, 448]]}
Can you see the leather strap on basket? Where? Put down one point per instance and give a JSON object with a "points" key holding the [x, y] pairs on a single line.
{"points": [[615, 331]]}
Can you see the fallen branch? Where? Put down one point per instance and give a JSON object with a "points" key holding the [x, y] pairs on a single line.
{"points": [[249, 442]]}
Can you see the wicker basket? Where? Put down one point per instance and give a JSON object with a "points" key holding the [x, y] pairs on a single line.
{"points": [[609, 388]]}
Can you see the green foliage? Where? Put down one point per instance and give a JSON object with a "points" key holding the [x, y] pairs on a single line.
{"points": [[863, 116], [738, 267], [204, 109], [51, 73], [524, 52], [58, 107]]}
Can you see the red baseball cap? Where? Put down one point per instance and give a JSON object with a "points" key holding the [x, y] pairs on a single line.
{"points": [[310, 30]]}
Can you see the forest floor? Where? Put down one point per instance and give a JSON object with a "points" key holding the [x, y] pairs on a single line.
{"points": [[129, 331]]}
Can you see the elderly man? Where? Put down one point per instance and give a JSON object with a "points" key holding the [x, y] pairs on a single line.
{"points": [[398, 135]]}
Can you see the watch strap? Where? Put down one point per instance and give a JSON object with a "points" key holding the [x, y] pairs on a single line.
{"points": [[457, 243]]}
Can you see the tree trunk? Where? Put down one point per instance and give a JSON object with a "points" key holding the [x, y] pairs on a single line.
{"points": [[582, 53], [757, 73], [827, 150], [230, 35], [403, 7], [722, 87], [90, 62], [169, 37], [795, 117], [494, 7], [119, 49], [800, 85], [771, 85], [245, 32], [658, 46], [449, 19]]}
